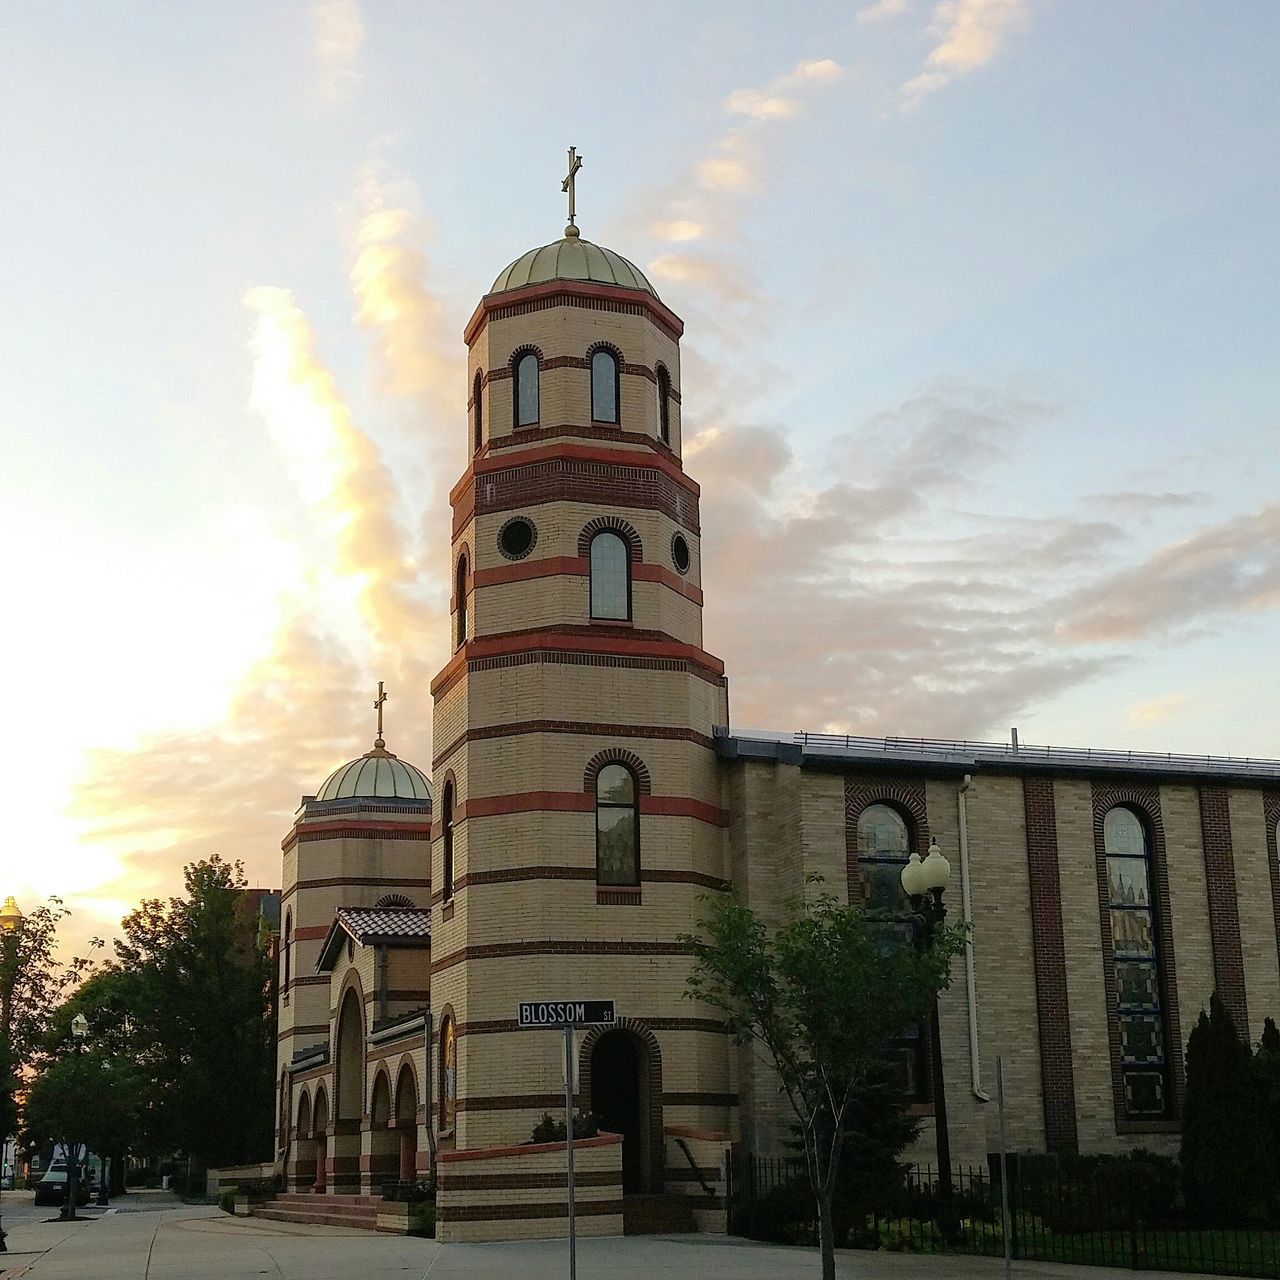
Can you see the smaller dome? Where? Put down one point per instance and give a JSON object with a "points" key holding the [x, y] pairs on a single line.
{"points": [[378, 774], [572, 258]]}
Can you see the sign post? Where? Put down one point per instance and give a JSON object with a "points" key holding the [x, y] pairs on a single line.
{"points": [[547, 1015]]}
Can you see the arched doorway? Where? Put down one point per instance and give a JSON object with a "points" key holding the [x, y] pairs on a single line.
{"points": [[620, 1102], [348, 1096], [320, 1132], [407, 1123]]}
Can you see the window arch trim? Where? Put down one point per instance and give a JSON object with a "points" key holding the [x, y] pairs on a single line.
{"points": [[477, 411], [662, 378], [1271, 815], [859, 794], [461, 589], [611, 524], [617, 755]]}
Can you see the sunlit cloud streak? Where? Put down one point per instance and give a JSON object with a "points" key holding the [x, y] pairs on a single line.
{"points": [[338, 35], [968, 34], [882, 10]]}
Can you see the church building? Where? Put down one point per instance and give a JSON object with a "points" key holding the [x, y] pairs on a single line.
{"points": [[587, 794]]}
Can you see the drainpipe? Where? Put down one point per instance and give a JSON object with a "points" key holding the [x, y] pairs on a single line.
{"points": [[966, 907]]}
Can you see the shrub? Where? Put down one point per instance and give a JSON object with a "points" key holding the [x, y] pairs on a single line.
{"points": [[585, 1125], [422, 1219], [784, 1215], [227, 1200]]}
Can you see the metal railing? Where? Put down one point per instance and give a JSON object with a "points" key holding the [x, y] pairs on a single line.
{"points": [[1116, 1215]]}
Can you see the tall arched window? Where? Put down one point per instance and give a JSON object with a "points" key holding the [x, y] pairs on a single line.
{"points": [[610, 576], [288, 952], [525, 395], [617, 826], [448, 1072], [460, 587], [884, 843], [447, 822], [605, 386], [477, 402], [664, 406], [1143, 1061]]}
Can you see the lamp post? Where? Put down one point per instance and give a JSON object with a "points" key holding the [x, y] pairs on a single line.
{"points": [[923, 881], [79, 1030], [10, 931]]}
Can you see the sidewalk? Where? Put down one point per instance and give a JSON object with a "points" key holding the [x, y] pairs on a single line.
{"points": [[199, 1243]]}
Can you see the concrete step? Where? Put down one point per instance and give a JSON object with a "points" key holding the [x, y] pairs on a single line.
{"points": [[656, 1215], [331, 1218]]}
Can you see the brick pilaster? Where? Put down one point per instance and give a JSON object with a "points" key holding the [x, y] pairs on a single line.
{"points": [[1224, 907], [1057, 1074]]}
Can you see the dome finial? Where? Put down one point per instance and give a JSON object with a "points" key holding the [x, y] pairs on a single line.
{"points": [[378, 743], [575, 163]]}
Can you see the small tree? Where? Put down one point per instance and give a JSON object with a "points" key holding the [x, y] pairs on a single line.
{"points": [[84, 1098], [1221, 1135], [823, 997], [1266, 1071]]}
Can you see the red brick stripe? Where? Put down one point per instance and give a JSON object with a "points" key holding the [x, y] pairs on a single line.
{"points": [[556, 947], [1057, 1073], [357, 882], [575, 293], [859, 792], [517, 875], [583, 802], [1224, 906], [356, 829], [585, 727], [580, 567], [521, 1212]]}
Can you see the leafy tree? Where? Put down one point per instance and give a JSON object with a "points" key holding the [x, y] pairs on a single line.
{"points": [[1221, 1136], [822, 996], [195, 978], [1266, 1071], [84, 1097]]}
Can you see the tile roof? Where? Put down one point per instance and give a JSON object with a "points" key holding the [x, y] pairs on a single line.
{"points": [[383, 924]]}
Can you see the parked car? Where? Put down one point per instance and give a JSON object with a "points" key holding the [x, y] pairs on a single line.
{"points": [[52, 1188]]}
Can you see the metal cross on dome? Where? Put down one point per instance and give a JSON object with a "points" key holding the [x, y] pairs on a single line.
{"points": [[575, 163], [377, 706]]}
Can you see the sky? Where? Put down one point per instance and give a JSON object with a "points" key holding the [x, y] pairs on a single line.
{"points": [[979, 376]]}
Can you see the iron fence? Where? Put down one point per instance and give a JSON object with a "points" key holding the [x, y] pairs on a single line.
{"points": [[1108, 1213]]}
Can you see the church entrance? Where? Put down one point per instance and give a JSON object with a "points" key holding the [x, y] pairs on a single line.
{"points": [[620, 1102]]}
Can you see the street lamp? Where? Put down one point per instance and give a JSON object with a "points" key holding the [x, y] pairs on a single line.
{"points": [[923, 881], [10, 930], [79, 1030]]}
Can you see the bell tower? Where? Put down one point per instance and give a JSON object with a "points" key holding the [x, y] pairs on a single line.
{"points": [[578, 816]]}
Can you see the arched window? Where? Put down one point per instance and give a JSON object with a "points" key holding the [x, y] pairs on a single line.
{"points": [[664, 406], [525, 397], [610, 576], [447, 822], [477, 402], [1135, 954], [461, 597], [448, 1072], [605, 388], [288, 953], [884, 843], [617, 826]]}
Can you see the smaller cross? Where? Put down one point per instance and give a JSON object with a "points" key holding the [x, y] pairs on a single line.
{"points": [[377, 706], [575, 163]]}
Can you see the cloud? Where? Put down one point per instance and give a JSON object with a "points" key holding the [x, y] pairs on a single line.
{"points": [[881, 10], [1142, 715], [1229, 567], [1131, 502], [338, 34], [968, 34]]}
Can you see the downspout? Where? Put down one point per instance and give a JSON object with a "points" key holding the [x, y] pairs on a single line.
{"points": [[966, 907]]}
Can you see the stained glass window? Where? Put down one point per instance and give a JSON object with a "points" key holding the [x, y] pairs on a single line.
{"points": [[604, 386], [1135, 954], [526, 390], [884, 843], [610, 577]]}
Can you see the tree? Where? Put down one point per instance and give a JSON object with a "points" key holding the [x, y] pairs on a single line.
{"points": [[196, 977], [1221, 1136], [823, 996], [1266, 1071], [84, 1097]]}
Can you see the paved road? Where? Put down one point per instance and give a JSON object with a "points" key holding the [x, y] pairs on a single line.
{"points": [[159, 1239]]}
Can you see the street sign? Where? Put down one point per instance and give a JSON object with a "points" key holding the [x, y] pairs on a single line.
{"points": [[544, 1014], [564, 1015]]}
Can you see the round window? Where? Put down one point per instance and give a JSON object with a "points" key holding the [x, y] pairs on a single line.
{"points": [[516, 538], [680, 553]]}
